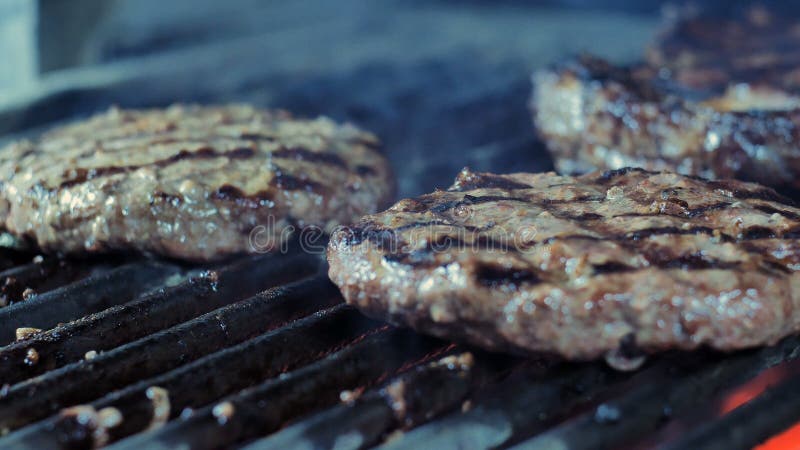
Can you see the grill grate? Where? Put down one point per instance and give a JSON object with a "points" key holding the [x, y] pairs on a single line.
{"points": [[155, 355], [91, 294], [770, 413], [258, 353]]}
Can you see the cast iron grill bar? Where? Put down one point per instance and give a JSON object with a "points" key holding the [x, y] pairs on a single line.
{"points": [[527, 402], [261, 410], [159, 310], [696, 380], [643, 409], [82, 381], [637, 414], [15, 280], [39, 276], [83, 297], [406, 401], [771, 412], [715, 409], [204, 380]]}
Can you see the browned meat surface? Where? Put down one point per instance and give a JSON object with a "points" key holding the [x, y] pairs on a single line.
{"points": [[611, 263], [708, 52], [188, 182], [718, 99]]}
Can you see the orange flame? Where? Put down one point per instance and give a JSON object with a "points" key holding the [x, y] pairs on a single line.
{"points": [[788, 440], [752, 389]]}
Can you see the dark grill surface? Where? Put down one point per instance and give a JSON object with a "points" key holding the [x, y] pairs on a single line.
{"points": [[260, 353]]}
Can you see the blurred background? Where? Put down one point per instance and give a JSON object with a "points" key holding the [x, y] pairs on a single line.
{"points": [[443, 83]]}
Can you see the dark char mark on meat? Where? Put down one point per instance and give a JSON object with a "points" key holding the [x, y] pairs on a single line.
{"points": [[612, 267], [682, 203], [480, 242], [289, 182], [473, 200], [370, 144], [775, 266], [81, 175], [770, 210], [570, 237], [692, 261], [582, 217], [476, 200], [638, 235], [757, 232], [383, 238], [429, 223], [700, 210], [233, 194], [791, 233], [426, 256], [580, 199], [302, 154], [365, 171], [692, 212], [386, 239], [162, 197], [761, 193], [257, 137], [492, 276]]}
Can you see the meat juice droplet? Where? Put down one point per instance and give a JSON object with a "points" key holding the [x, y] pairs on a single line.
{"points": [[624, 363], [31, 357], [607, 414]]}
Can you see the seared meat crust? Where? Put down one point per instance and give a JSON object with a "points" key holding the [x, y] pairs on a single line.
{"points": [[708, 52], [593, 116], [188, 182], [581, 266], [718, 97]]}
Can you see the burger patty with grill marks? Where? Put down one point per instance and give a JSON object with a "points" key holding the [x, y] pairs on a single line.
{"points": [[717, 97], [624, 262], [189, 182]]}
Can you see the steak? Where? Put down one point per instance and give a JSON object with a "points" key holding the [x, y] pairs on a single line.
{"points": [[621, 263], [717, 98], [189, 182]]}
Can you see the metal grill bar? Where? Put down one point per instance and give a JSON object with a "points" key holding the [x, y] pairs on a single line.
{"points": [[40, 276], [209, 378], [167, 307], [771, 412], [690, 382], [527, 402], [16, 279], [83, 297], [78, 382], [260, 410], [221, 352], [407, 401], [208, 357]]}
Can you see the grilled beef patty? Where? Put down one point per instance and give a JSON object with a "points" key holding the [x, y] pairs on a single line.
{"points": [[708, 52], [608, 263], [189, 182], [718, 99]]}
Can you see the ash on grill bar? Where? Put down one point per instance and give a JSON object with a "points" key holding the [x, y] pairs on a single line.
{"points": [[164, 281]]}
